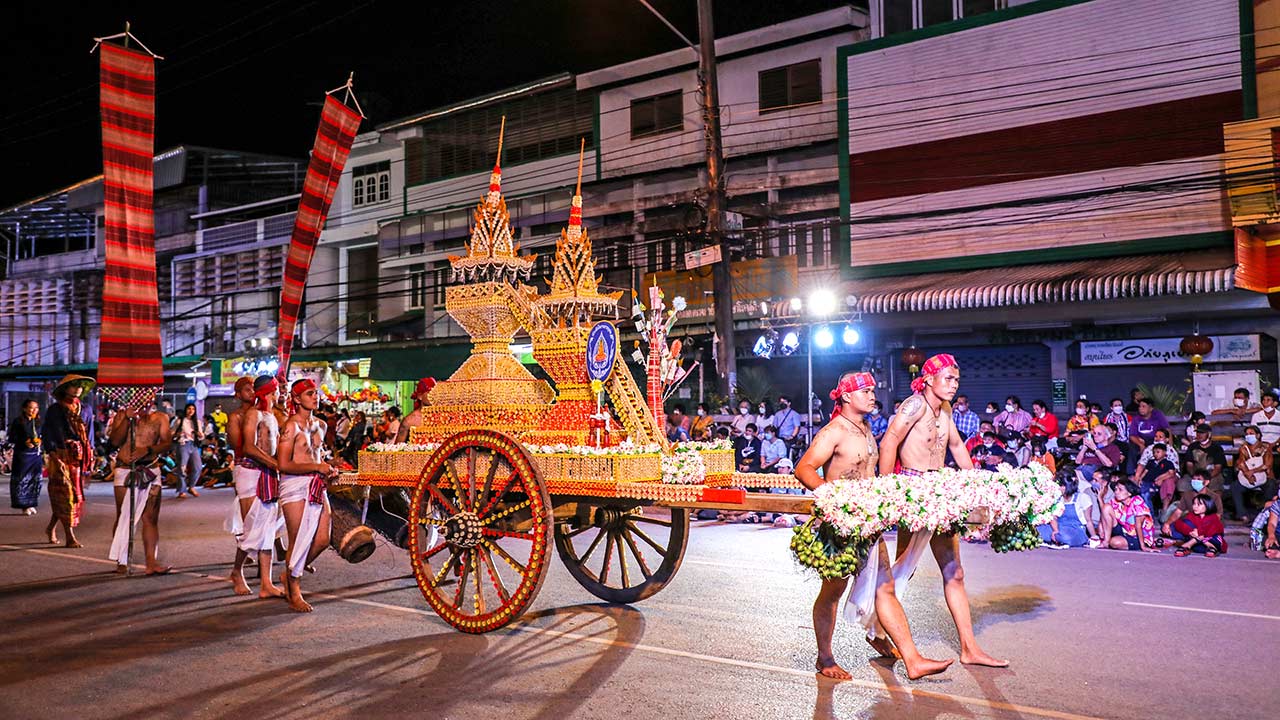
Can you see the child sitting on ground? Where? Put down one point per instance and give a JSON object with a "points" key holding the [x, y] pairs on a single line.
{"points": [[1069, 530], [1200, 530]]}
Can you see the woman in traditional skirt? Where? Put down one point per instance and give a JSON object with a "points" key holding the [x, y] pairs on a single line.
{"points": [[28, 463], [69, 456]]}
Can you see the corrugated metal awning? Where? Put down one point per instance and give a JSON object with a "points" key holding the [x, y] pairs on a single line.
{"points": [[1139, 276]]}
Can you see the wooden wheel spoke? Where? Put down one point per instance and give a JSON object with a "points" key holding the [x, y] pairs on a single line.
{"points": [[497, 497], [639, 556], [475, 571], [498, 585], [431, 521], [575, 533], [462, 581], [490, 532], [433, 551], [512, 509], [608, 558], [654, 521], [622, 560], [515, 565], [645, 537], [471, 477], [582, 560], [444, 570], [440, 498], [488, 483], [457, 486]]}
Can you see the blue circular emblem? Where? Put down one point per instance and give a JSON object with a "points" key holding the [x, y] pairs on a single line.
{"points": [[602, 349]]}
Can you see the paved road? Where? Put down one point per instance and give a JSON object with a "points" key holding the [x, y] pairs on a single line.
{"points": [[1090, 634]]}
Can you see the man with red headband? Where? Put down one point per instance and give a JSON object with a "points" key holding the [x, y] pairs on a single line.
{"points": [[845, 447], [916, 442], [254, 433], [303, 474], [414, 419]]}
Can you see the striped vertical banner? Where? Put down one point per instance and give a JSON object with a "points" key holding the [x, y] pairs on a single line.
{"points": [[338, 126], [129, 354]]}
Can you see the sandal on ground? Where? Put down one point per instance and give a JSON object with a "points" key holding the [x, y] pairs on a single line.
{"points": [[1181, 552], [1211, 553]]}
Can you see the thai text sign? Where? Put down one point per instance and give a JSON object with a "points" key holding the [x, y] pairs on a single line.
{"points": [[1165, 351]]}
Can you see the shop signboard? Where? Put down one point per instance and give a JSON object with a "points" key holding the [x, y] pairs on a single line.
{"points": [[1165, 351]]}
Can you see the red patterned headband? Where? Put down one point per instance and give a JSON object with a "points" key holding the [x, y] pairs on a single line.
{"points": [[265, 392], [852, 382], [933, 366], [301, 386]]}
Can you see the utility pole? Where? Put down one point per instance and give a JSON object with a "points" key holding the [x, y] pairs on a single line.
{"points": [[722, 283]]}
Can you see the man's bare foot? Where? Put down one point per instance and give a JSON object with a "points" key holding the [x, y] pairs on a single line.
{"points": [[53, 537], [159, 570], [980, 657], [72, 542], [926, 667], [270, 591], [294, 596], [194, 492], [238, 584], [122, 569], [832, 670], [884, 648]]}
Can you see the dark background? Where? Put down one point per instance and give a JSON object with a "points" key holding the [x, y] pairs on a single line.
{"points": [[249, 74]]}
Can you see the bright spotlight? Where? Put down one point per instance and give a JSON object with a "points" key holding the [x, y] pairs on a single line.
{"points": [[822, 303], [764, 346], [851, 336], [790, 342], [823, 337], [796, 304], [266, 342]]}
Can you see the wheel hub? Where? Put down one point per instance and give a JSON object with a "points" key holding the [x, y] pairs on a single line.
{"points": [[463, 530], [608, 518]]}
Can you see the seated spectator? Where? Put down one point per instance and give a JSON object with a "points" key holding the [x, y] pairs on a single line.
{"points": [[772, 450], [1043, 422], [677, 425], [990, 411], [1126, 520], [879, 423], [1242, 408], [1081, 420], [1189, 435], [1158, 475], [700, 426], [746, 450], [1204, 456], [966, 421], [1097, 451], [1013, 420], [1018, 448], [1200, 530], [1142, 431], [980, 437], [1040, 454], [1164, 437], [1267, 420], [1120, 419], [1262, 535], [1255, 470], [990, 453], [1074, 527]]}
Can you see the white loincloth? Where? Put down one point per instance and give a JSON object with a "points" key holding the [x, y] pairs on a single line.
{"points": [[120, 540], [262, 524], [860, 607], [293, 489], [246, 482]]}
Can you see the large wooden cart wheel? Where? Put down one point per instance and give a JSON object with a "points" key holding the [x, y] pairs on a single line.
{"points": [[483, 493], [622, 553]]}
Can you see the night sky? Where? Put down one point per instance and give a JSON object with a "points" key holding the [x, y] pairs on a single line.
{"points": [[249, 75]]}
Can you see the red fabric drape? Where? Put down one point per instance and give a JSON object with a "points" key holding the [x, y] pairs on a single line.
{"points": [[129, 354], [338, 126]]}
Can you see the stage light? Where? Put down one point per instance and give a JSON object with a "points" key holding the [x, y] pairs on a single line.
{"points": [[790, 342], [851, 336], [823, 337], [797, 304], [764, 346], [822, 303]]}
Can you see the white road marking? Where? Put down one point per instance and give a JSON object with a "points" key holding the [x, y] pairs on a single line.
{"points": [[1203, 610], [656, 650]]}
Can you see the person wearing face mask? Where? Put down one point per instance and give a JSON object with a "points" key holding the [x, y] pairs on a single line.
{"points": [[746, 450], [1044, 424], [1242, 408], [989, 453], [1040, 454], [787, 420], [1014, 419], [967, 422], [979, 437], [1204, 462], [1267, 420], [1120, 419], [1018, 450], [700, 426], [764, 418], [739, 424], [1081, 421], [1255, 471], [772, 450], [879, 423]]}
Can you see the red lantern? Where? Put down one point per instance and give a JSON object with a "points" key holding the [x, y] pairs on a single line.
{"points": [[1196, 346], [913, 358]]}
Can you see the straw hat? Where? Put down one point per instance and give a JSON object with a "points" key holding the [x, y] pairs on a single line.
{"points": [[70, 379]]}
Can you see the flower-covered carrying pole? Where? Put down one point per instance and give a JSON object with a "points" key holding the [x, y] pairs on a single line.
{"points": [[662, 362]]}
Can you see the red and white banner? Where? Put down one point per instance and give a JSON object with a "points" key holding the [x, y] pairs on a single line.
{"points": [[338, 126]]}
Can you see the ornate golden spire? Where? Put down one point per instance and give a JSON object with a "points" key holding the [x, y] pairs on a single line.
{"points": [[575, 290], [492, 254]]}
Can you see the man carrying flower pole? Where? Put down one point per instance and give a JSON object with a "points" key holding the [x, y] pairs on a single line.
{"points": [[845, 448], [915, 443]]}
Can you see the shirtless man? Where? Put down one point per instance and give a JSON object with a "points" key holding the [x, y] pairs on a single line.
{"points": [[845, 447], [414, 419], [917, 441], [253, 433], [152, 437], [303, 500]]}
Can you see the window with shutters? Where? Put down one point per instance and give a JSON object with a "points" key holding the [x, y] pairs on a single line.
{"points": [[657, 114], [789, 86], [440, 271], [419, 287], [371, 183]]}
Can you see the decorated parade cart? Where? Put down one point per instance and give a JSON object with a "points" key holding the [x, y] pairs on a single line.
{"points": [[504, 466]]}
